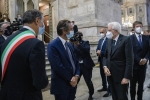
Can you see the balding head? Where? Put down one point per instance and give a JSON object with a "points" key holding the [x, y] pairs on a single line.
{"points": [[103, 31]]}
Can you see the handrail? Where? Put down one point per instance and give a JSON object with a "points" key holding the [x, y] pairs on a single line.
{"points": [[48, 35]]}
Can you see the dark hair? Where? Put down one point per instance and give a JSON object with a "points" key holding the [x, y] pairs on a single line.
{"points": [[132, 30], [147, 31], [62, 24], [72, 21], [31, 15], [136, 22]]}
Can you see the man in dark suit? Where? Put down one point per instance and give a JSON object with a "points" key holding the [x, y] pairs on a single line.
{"points": [[64, 65], [3, 36], [101, 49], [118, 61], [75, 27], [141, 49], [82, 50], [23, 61]]}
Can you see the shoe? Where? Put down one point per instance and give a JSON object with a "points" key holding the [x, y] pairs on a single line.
{"points": [[107, 94], [101, 90], [90, 98]]}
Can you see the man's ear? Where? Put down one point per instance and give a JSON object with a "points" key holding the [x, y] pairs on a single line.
{"points": [[36, 21]]}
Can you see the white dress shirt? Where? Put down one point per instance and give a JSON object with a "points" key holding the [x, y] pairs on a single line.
{"points": [[27, 27], [5, 37], [103, 42], [137, 36], [116, 39]]}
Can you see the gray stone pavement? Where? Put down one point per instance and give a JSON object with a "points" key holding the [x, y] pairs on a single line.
{"points": [[82, 90]]}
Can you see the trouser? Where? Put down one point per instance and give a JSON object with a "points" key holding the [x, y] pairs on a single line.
{"points": [[119, 91], [87, 74], [138, 77]]}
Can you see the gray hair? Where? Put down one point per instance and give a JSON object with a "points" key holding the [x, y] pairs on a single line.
{"points": [[115, 26], [30, 16], [2, 24]]}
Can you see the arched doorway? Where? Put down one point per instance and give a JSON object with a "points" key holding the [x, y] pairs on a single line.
{"points": [[20, 7], [30, 5], [46, 9]]}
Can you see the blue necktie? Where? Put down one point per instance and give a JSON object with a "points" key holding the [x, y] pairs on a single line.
{"points": [[70, 57], [140, 40]]}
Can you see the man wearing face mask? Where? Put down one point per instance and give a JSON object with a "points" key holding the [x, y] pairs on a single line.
{"points": [[118, 61], [101, 49], [82, 50], [64, 65], [23, 61], [4, 34], [141, 49]]}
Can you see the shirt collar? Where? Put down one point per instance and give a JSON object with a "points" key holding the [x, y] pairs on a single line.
{"points": [[137, 35], [116, 38], [62, 40], [27, 27], [5, 37]]}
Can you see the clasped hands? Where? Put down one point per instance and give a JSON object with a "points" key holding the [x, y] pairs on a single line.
{"points": [[74, 81], [107, 72], [143, 62]]}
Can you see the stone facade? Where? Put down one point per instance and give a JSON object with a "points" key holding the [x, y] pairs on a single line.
{"points": [[136, 10], [89, 15]]}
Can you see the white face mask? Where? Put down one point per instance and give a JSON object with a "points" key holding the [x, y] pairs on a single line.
{"points": [[138, 30], [101, 35], [109, 35]]}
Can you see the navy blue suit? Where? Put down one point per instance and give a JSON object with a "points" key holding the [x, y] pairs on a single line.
{"points": [[83, 54], [139, 71], [2, 40], [100, 59], [62, 70]]}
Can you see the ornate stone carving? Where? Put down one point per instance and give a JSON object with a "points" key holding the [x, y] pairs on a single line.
{"points": [[6, 6]]}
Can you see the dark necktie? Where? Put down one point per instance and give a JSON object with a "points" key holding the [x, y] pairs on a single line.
{"points": [[70, 57], [113, 43], [140, 40], [101, 44]]}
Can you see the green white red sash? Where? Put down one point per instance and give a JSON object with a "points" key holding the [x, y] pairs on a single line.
{"points": [[12, 45]]}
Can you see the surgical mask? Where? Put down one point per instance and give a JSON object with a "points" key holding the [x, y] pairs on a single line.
{"points": [[109, 35], [102, 35], [70, 35], [41, 30], [138, 30]]}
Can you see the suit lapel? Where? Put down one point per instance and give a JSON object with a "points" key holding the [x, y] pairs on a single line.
{"points": [[117, 44], [109, 46], [61, 46], [136, 40]]}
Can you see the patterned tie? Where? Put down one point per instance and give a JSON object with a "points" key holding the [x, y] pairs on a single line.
{"points": [[70, 57], [140, 40]]}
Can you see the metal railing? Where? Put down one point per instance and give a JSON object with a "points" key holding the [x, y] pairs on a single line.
{"points": [[48, 35]]}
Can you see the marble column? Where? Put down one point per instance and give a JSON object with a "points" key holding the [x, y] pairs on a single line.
{"points": [[12, 12], [145, 14], [135, 12]]}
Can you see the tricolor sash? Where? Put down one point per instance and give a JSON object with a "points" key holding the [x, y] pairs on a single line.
{"points": [[12, 45]]}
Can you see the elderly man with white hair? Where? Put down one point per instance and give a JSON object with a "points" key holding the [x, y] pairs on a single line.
{"points": [[118, 61]]}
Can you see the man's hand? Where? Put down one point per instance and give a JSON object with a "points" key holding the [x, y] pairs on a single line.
{"points": [[74, 81], [106, 71], [143, 62], [98, 52], [124, 81]]}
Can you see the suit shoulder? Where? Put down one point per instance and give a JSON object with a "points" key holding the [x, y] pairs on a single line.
{"points": [[53, 42]]}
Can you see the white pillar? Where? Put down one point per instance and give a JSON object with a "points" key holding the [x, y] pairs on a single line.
{"points": [[135, 12], [12, 12], [145, 14]]}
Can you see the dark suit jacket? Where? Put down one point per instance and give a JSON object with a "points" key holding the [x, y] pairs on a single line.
{"points": [[120, 59], [61, 68], [83, 53], [140, 52], [75, 28], [2, 40], [25, 75], [103, 49]]}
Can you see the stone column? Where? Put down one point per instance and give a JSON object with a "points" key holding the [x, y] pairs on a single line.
{"points": [[145, 14], [25, 4], [135, 12], [12, 12]]}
